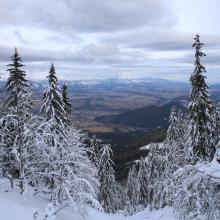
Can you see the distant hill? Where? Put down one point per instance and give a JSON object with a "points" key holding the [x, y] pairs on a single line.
{"points": [[151, 116]]}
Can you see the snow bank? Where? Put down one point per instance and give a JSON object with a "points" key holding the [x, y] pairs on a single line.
{"points": [[211, 169], [145, 147], [13, 206]]}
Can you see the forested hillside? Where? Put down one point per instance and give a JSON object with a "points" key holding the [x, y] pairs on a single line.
{"points": [[151, 116]]}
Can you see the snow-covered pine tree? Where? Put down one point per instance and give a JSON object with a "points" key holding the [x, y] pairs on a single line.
{"points": [[175, 141], [66, 170], [196, 192], [202, 136], [66, 101], [143, 177], [74, 176], [163, 159], [94, 151], [53, 106], [54, 114], [156, 168], [173, 156], [120, 196], [8, 124], [13, 124], [218, 118], [132, 191], [217, 153], [173, 131], [85, 182], [106, 173], [17, 84]]}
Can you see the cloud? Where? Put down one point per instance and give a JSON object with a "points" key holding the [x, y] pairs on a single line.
{"points": [[159, 40], [87, 15], [20, 37]]}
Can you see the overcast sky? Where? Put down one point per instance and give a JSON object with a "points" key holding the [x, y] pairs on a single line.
{"points": [[89, 39]]}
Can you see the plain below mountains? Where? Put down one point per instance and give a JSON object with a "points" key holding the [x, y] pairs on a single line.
{"points": [[151, 116]]}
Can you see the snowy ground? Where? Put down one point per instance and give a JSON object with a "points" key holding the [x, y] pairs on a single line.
{"points": [[13, 206], [147, 147]]}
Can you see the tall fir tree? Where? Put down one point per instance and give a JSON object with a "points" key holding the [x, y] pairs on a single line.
{"points": [[66, 99], [174, 142], [15, 122], [132, 191], [53, 107], [202, 133], [67, 103], [156, 168], [17, 84], [174, 131], [64, 171], [106, 173], [173, 158], [94, 150], [53, 128], [65, 168], [143, 177], [218, 118]]}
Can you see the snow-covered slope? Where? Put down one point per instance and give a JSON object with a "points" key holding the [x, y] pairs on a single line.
{"points": [[13, 206]]}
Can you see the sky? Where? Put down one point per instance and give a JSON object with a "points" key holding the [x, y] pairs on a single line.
{"points": [[98, 39]]}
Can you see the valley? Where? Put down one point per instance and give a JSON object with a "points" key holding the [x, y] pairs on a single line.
{"points": [[127, 114]]}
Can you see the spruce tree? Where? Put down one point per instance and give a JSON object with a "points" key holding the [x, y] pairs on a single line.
{"points": [[156, 165], [53, 106], [17, 84], [66, 100], [175, 141], [106, 173], [15, 122], [173, 158], [218, 118], [202, 128], [53, 127], [132, 191], [94, 151], [67, 104], [143, 177], [174, 130]]}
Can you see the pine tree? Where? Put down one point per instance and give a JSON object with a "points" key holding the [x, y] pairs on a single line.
{"points": [[106, 173], [14, 122], [74, 178], [66, 101], [156, 165], [16, 85], [53, 124], [65, 168], [132, 191], [174, 156], [196, 194], [218, 118], [173, 131], [143, 177], [53, 106], [175, 141], [94, 151], [202, 129], [8, 128]]}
